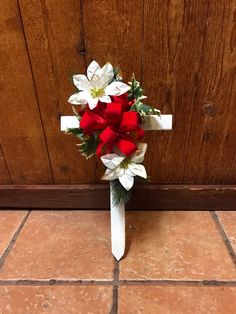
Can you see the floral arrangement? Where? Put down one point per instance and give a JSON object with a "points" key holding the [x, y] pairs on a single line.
{"points": [[110, 115]]}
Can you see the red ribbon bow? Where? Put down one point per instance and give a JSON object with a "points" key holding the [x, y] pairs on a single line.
{"points": [[120, 128]]}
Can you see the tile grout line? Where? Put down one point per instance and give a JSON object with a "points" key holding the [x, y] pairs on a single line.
{"points": [[115, 285], [54, 282], [224, 236], [13, 240], [171, 282]]}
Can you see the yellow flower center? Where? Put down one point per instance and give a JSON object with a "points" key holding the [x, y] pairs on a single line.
{"points": [[97, 92], [125, 163]]}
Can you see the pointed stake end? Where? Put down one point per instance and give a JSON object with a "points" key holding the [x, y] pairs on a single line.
{"points": [[118, 255]]}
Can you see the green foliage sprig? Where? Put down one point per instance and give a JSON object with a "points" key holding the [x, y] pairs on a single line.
{"points": [[89, 142], [77, 132], [119, 193], [89, 145], [136, 92], [144, 109]]}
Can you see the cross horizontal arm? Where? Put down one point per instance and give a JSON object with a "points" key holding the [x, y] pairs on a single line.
{"points": [[153, 122]]}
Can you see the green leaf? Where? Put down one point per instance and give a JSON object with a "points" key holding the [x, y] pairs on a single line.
{"points": [[119, 193], [78, 132], [144, 109], [89, 146], [136, 90]]}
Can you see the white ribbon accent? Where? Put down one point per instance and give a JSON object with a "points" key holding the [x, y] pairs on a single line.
{"points": [[117, 228]]}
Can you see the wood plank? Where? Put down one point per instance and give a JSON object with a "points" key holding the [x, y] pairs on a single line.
{"points": [[146, 197], [4, 173], [22, 137], [113, 32], [212, 141], [174, 34], [54, 38]]}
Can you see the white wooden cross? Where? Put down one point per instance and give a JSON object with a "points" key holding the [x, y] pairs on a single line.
{"points": [[153, 122]]}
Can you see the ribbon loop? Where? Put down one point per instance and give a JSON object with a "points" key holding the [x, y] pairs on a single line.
{"points": [[119, 128], [126, 146], [129, 121], [108, 135], [92, 121], [113, 113]]}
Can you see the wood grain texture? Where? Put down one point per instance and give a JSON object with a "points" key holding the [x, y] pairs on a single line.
{"points": [[184, 52], [53, 35], [22, 137], [190, 53], [174, 33], [4, 173], [96, 196], [113, 32], [211, 148]]}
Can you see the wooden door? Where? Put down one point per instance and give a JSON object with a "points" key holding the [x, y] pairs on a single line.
{"points": [[183, 52]]}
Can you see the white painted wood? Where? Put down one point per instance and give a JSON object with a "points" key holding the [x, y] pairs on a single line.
{"points": [[152, 122], [117, 228], [69, 122]]}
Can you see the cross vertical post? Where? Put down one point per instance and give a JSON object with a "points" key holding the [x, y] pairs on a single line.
{"points": [[152, 122]]}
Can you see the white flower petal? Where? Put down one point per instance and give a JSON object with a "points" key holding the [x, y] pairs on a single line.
{"points": [[127, 181], [79, 98], [138, 156], [106, 159], [118, 160], [92, 102], [96, 82], [129, 172], [116, 89], [138, 170], [81, 82], [109, 175], [112, 161], [92, 69], [105, 99], [107, 73], [119, 171]]}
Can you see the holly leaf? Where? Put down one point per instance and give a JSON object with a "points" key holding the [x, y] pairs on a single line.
{"points": [[78, 132], [89, 146], [136, 91], [143, 109]]}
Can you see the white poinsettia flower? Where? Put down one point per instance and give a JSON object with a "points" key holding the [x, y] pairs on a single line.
{"points": [[125, 169], [96, 86]]}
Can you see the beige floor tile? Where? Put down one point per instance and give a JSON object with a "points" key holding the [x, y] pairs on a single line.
{"points": [[62, 244], [228, 221], [10, 221], [176, 300], [175, 245], [55, 300]]}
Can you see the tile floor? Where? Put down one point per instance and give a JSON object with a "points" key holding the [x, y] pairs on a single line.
{"points": [[59, 262]]}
